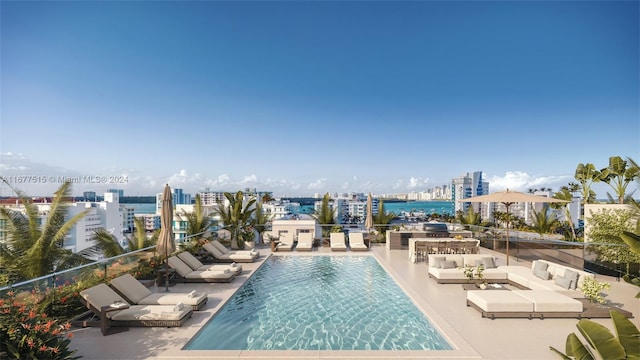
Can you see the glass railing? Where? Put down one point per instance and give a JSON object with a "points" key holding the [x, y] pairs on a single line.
{"points": [[57, 293]]}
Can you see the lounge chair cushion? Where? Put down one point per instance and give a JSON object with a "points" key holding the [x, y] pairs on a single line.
{"points": [[131, 288], [181, 268], [149, 312], [190, 260]]}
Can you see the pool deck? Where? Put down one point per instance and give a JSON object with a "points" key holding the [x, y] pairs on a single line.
{"points": [[472, 336]]}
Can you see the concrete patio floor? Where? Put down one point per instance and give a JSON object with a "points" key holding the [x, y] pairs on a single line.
{"points": [[472, 336]]}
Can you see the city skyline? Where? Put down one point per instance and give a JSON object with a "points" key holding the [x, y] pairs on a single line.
{"points": [[300, 98]]}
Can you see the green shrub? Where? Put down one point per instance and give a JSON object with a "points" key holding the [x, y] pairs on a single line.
{"points": [[592, 289]]}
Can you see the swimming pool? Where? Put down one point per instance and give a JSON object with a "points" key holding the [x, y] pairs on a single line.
{"points": [[319, 303]]}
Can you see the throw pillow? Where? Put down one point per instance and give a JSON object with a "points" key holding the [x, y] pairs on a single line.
{"points": [[573, 276], [448, 264], [544, 275], [488, 263], [539, 266], [436, 261], [563, 281]]}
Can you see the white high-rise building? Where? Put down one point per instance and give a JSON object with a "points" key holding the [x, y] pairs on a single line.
{"points": [[466, 186]]}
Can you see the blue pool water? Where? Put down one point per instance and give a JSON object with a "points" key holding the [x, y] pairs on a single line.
{"points": [[319, 303]]}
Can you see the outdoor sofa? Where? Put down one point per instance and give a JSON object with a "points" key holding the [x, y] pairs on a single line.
{"points": [[228, 256], [542, 275], [449, 269], [337, 241], [135, 293], [115, 311], [197, 265], [186, 274]]}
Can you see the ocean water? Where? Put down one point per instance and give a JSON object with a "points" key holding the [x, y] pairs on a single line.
{"points": [[429, 207]]}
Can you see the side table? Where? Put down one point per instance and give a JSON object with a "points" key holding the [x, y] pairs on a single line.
{"points": [[274, 245], [161, 278], [104, 321]]}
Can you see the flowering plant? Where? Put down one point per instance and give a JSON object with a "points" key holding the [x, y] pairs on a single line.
{"points": [[592, 289], [27, 334]]}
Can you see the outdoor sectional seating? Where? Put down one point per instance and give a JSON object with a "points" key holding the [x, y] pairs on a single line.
{"points": [[449, 269], [115, 311], [552, 276], [135, 293]]}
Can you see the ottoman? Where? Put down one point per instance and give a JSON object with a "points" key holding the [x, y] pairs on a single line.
{"points": [[500, 303]]}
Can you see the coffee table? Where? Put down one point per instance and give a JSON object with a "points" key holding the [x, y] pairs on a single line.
{"points": [[489, 287]]}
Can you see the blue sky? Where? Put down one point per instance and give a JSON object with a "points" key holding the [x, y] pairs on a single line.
{"points": [[304, 97]]}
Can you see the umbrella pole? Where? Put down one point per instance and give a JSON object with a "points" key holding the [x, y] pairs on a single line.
{"points": [[166, 273], [508, 220]]}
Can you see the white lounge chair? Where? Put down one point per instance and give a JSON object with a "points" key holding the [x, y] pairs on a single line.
{"points": [[337, 242], [286, 242], [135, 293], [197, 265], [231, 256], [223, 249], [305, 242], [187, 274], [356, 242]]}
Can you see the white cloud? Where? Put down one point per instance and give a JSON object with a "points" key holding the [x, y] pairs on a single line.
{"points": [[251, 179], [345, 185], [317, 184], [415, 183], [521, 181]]}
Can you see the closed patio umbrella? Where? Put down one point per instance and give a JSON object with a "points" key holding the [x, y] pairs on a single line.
{"points": [[368, 224], [166, 241], [509, 198]]}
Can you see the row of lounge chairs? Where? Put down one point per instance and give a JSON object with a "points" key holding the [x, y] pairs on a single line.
{"points": [[337, 242], [126, 302], [356, 242]]}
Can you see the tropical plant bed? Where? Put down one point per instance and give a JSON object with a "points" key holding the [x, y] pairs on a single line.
{"points": [[595, 310]]}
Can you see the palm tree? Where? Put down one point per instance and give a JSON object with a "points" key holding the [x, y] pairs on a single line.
{"points": [[325, 215], [262, 221], [107, 244], [197, 221], [619, 174], [565, 193], [586, 174], [381, 220], [470, 217], [544, 222], [238, 218], [33, 249]]}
